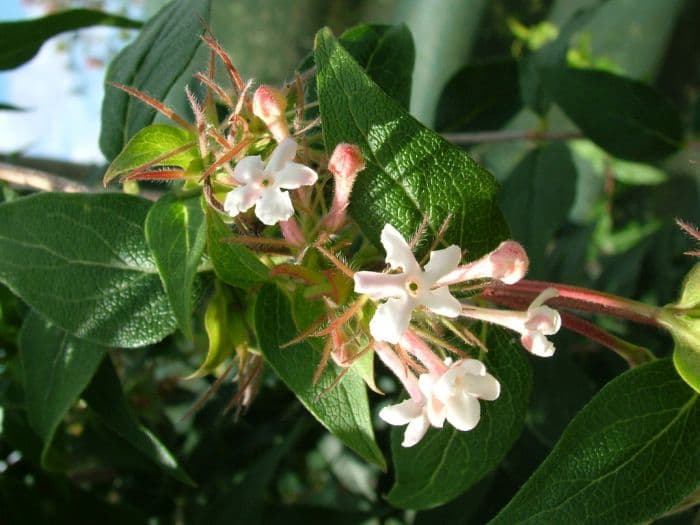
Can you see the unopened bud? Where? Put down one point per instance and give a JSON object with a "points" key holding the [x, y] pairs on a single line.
{"points": [[291, 232], [508, 263], [345, 163], [269, 105]]}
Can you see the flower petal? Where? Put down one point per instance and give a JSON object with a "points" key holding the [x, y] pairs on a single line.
{"points": [[463, 411], [537, 344], [441, 302], [441, 263], [274, 206], [284, 152], [380, 285], [543, 319], [248, 169], [415, 431], [434, 407], [293, 175], [391, 320], [401, 413], [545, 295], [241, 199], [482, 386], [398, 252]]}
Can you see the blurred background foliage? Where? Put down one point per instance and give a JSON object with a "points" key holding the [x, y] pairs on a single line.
{"points": [[586, 217]]}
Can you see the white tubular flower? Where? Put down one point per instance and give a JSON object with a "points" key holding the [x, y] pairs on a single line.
{"points": [[409, 289], [459, 389], [508, 263], [419, 416], [262, 184], [533, 325]]}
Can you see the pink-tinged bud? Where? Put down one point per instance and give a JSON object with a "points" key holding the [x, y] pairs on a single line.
{"points": [[340, 353], [508, 263], [269, 105], [345, 163], [291, 232]]}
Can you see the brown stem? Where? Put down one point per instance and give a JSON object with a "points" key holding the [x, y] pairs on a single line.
{"points": [[509, 135]]}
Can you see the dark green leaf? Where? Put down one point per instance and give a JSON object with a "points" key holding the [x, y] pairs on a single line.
{"points": [[176, 235], [82, 262], [550, 55], [344, 409], [106, 399], [479, 97], [411, 171], [154, 64], [446, 462], [233, 263], [20, 41], [153, 142], [387, 54], [628, 456], [537, 197], [628, 119], [244, 501], [57, 368]]}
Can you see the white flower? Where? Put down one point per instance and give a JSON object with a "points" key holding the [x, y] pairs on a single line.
{"points": [[262, 184], [459, 389], [532, 325], [418, 415], [409, 289]]}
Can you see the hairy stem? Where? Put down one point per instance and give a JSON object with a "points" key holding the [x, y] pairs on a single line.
{"points": [[578, 298]]}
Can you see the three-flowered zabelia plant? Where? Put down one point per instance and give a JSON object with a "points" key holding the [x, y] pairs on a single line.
{"points": [[257, 167], [264, 173]]}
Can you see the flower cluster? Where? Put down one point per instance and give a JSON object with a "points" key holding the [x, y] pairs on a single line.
{"points": [[253, 160], [448, 391]]}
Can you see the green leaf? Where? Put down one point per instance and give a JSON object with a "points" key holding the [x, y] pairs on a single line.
{"points": [[225, 327], [550, 55], [537, 197], [628, 119], [57, 368], [479, 97], [233, 263], [411, 171], [82, 262], [387, 54], [106, 399], [628, 456], [446, 462], [683, 320], [20, 41], [154, 64], [176, 234], [344, 409], [153, 142]]}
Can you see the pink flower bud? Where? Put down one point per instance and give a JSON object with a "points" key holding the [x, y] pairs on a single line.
{"points": [[269, 105], [345, 163], [508, 263], [291, 232]]}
